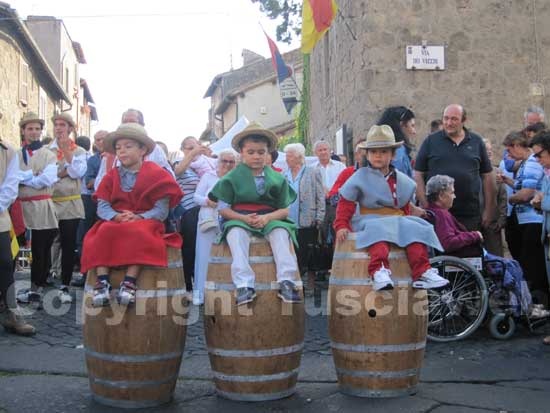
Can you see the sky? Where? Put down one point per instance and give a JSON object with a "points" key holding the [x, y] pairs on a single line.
{"points": [[158, 56]]}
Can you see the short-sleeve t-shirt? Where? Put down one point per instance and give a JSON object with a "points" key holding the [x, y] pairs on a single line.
{"points": [[465, 162]]}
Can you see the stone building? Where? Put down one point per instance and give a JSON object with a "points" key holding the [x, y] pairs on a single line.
{"points": [[65, 57], [250, 91], [497, 55], [26, 80]]}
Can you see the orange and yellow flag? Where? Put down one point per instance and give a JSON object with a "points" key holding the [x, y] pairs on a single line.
{"points": [[317, 16]]}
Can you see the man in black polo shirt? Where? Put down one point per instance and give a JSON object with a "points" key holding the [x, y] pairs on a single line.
{"points": [[461, 154]]}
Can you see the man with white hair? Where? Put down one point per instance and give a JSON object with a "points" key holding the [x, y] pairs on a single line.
{"points": [[533, 114], [330, 169]]}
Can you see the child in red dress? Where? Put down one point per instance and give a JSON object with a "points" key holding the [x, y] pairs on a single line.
{"points": [[133, 201]]}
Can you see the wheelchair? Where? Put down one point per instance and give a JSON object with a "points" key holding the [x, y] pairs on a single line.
{"points": [[475, 295]]}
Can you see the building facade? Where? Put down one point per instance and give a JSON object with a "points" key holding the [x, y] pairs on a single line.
{"points": [[496, 64], [251, 91], [65, 57], [27, 83]]}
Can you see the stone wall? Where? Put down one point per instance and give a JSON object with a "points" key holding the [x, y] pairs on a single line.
{"points": [[11, 105], [496, 52]]}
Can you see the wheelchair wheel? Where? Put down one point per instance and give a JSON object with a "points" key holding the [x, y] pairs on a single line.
{"points": [[457, 310], [502, 326]]}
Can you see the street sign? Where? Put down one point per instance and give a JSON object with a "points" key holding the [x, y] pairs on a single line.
{"points": [[425, 57]]}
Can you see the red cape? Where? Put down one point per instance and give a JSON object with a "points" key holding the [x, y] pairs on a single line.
{"points": [[112, 244]]}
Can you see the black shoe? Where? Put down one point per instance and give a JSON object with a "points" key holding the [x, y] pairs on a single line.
{"points": [[245, 295], [288, 292]]}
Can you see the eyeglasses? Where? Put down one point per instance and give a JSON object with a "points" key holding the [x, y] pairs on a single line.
{"points": [[227, 161], [538, 154]]}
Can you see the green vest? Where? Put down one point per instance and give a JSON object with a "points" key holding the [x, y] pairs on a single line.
{"points": [[238, 187]]}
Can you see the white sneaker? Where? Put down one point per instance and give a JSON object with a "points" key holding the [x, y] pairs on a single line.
{"points": [[430, 280], [197, 299], [382, 280], [64, 295]]}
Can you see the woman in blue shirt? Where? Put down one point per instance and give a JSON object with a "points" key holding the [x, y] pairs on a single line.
{"points": [[525, 224]]}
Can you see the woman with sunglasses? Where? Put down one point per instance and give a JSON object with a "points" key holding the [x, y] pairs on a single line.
{"points": [[403, 123]]}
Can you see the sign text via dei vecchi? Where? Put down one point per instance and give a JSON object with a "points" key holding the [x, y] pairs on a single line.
{"points": [[425, 57]]}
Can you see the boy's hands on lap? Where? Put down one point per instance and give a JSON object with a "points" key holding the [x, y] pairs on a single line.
{"points": [[127, 216]]}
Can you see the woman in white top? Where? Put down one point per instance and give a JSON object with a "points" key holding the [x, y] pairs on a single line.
{"points": [[227, 160]]}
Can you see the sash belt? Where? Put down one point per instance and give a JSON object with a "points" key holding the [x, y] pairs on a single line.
{"points": [[66, 198], [34, 198], [381, 211]]}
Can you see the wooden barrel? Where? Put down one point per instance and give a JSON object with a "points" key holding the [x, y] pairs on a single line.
{"points": [[377, 337], [133, 353], [254, 349]]}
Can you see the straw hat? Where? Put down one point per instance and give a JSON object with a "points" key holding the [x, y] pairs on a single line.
{"points": [[30, 117], [380, 137], [64, 116], [132, 131], [255, 129]]}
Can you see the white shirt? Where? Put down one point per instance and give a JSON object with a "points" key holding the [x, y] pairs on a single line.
{"points": [[329, 172], [9, 189], [47, 178], [204, 186], [78, 166]]}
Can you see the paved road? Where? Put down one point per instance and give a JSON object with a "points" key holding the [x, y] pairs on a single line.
{"points": [[47, 372]]}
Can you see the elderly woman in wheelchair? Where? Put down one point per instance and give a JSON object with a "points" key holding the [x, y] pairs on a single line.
{"points": [[478, 280]]}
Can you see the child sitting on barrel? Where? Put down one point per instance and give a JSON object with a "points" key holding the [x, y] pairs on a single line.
{"points": [[254, 200], [133, 200], [385, 197]]}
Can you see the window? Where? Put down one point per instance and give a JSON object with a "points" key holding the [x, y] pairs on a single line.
{"points": [[326, 65], [67, 81], [43, 107], [23, 82]]}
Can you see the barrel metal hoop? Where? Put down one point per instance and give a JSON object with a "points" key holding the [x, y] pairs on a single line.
{"points": [[251, 260], [166, 292], [365, 281], [378, 374], [359, 255], [381, 348], [274, 285], [122, 358], [126, 384], [256, 378], [130, 404], [278, 351], [352, 391], [260, 397], [171, 265]]}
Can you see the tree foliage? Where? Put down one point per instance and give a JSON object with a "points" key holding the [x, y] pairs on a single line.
{"points": [[288, 13]]}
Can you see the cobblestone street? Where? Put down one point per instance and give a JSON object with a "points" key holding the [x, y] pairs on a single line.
{"points": [[47, 372]]}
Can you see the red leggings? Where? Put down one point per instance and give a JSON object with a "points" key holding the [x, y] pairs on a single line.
{"points": [[417, 254]]}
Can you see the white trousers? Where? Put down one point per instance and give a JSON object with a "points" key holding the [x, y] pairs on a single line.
{"points": [[238, 240]]}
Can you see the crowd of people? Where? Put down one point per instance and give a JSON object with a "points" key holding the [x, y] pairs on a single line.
{"points": [[58, 194]]}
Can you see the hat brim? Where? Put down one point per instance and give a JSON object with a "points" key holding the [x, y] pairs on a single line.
{"points": [[110, 140], [271, 137], [27, 121], [380, 145]]}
